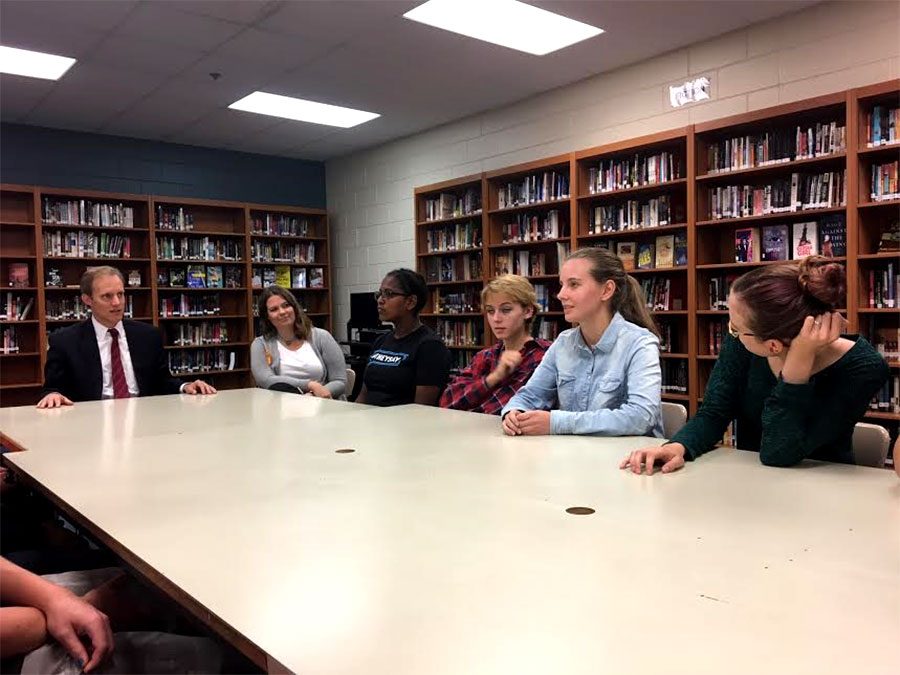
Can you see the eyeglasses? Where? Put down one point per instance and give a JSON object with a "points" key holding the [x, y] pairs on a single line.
{"points": [[735, 333], [388, 293]]}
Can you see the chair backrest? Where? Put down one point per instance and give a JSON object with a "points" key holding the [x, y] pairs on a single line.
{"points": [[351, 380], [870, 444], [674, 416]]}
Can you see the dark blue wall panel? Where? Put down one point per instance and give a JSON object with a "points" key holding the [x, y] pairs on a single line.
{"points": [[68, 159]]}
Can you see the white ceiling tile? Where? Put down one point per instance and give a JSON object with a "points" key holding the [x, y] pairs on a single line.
{"points": [[336, 21], [18, 95], [236, 11], [53, 36], [143, 56], [95, 15], [264, 53], [161, 21]]}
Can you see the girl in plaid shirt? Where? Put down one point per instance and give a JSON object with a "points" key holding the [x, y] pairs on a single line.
{"points": [[497, 373]]}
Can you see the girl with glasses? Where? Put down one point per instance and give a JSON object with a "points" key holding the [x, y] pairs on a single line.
{"points": [[411, 363], [498, 372], [602, 377], [292, 355], [794, 384]]}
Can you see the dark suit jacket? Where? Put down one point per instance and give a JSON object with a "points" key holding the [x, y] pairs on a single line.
{"points": [[74, 369]]}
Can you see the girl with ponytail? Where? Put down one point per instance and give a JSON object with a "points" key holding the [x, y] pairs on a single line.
{"points": [[604, 374], [795, 386]]}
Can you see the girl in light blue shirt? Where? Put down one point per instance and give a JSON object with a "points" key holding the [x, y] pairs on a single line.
{"points": [[604, 374]]}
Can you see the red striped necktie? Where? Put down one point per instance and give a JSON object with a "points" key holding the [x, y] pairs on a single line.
{"points": [[120, 386]]}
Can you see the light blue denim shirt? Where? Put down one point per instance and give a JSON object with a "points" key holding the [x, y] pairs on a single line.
{"points": [[610, 389]]}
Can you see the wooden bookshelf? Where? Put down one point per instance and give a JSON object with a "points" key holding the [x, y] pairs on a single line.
{"points": [[451, 254], [844, 162], [47, 229], [633, 195], [875, 266]]}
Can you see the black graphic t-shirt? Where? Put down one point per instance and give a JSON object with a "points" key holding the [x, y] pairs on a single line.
{"points": [[397, 366]]}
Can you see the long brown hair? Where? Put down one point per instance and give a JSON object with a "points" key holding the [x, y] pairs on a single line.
{"points": [[302, 325], [628, 298], [780, 297]]}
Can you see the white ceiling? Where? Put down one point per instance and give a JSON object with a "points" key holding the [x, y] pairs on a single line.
{"points": [[144, 65]]}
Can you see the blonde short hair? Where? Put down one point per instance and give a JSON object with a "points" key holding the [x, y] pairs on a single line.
{"points": [[516, 288]]}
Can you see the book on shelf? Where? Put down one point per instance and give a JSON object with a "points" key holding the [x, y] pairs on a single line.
{"points": [[800, 192], [233, 276], [646, 256], [453, 237], [280, 225], [450, 205], [746, 245], [635, 171], [563, 249], [887, 399], [268, 276], [665, 250], [176, 277], [503, 263], [173, 218], [681, 249], [537, 187], [134, 278], [15, 307], [86, 213], [775, 243], [18, 275], [882, 125], [805, 240], [884, 287], [196, 276], [298, 277], [833, 236], [719, 288], [889, 241], [633, 214], [884, 181], [283, 276], [316, 277], [534, 227], [716, 333], [626, 252], [658, 294], [214, 278], [777, 146]]}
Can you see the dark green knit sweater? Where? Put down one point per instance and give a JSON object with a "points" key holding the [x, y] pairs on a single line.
{"points": [[784, 422]]}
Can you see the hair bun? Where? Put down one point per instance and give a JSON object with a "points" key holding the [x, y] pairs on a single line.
{"points": [[823, 280]]}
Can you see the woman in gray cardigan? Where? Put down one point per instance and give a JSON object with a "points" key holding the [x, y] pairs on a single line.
{"points": [[292, 355]]}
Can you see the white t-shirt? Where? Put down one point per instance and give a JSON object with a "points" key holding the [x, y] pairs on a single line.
{"points": [[302, 364]]}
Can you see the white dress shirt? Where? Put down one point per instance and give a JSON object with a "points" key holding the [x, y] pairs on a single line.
{"points": [[104, 342]]}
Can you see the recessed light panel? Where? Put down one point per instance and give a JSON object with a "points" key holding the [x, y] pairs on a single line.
{"points": [[33, 64], [301, 110]]}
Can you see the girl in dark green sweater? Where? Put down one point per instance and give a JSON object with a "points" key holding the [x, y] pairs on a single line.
{"points": [[794, 384]]}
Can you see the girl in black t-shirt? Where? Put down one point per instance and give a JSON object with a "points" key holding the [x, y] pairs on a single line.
{"points": [[410, 364]]}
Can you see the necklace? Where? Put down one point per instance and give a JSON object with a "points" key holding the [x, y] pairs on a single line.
{"points": [[289, 341]]}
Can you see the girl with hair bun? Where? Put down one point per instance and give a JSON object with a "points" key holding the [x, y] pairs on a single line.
{"points": [[794, 384]]}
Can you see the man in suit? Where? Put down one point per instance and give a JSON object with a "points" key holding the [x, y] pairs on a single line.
{"points": [[108, 356]]}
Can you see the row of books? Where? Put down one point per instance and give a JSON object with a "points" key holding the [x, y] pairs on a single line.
{"points": [[885, 185], [466, 333], [801, 191], [86, 213], [186, 304], [674, 376], [631, 172], [10, 343], [14, 307], [717, 330], [466, 267], [719, 288], [827, 237], [454, 237], [459, 359], [669, 250], [281, 225], [548, 330], [888, 397], [283, 251], [200, 361], [884, 287], [889, 349], [83, 244], [882, 125], [200, 276], [633, 215], [534, 227], [72, 308], [456, 302], [543, 187], [529, 263], [450, 205], [775, 147], [658, 294], [197, 333], [287, 277], [174, 218], [666, 337], [543, 294], [199, 248]]}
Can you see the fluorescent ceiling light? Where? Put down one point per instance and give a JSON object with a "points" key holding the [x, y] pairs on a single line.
{"points": [[303, 111], [33, 64], [508, 23]]}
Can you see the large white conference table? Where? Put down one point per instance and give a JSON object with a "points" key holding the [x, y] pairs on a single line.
{"points": [[441, 546]]}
